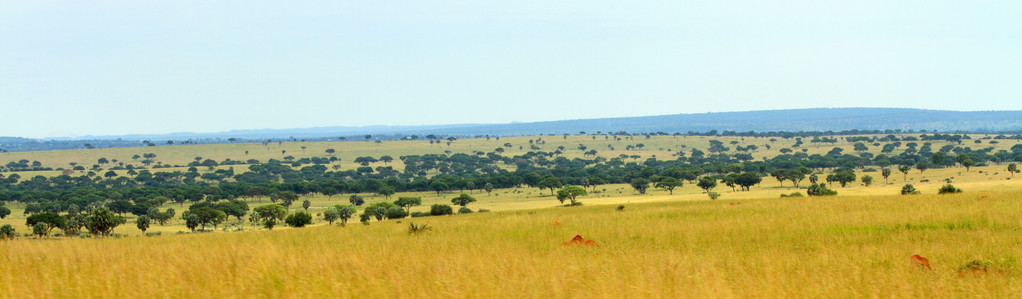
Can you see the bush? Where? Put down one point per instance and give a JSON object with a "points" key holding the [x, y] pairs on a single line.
{"points": [[819, 190], [575, 204], [908, 189], [483, 210], [440, 210], [793, 194], [948, 189], [419, 214], [464, 210], [713, 195], [298, 219], [7, 232], [396, 213]]}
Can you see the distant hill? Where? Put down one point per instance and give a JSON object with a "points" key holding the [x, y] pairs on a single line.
{"points": [[792, 120]]}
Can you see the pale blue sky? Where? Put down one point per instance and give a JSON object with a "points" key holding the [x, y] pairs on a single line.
{"points": [[71, 68]]}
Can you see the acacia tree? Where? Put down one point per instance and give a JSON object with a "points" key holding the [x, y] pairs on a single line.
{"points": [[707, 184], [885, 172], [570, 193], [408, 202], [668, 183], [463, 200], [904, 169], [1012, 169], [550, 182]]}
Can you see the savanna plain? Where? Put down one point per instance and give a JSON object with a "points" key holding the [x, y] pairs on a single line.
{"points": [[657, 243]]}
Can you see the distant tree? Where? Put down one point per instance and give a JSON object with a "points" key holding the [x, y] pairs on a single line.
{"points": [[269, 215], [489, 187], [356, 200], [330, 151], [748, 179], [306, 204], [4, 211], [885, 172], [51, 220], [298, 219], [463, 200], [142, 222], [386, 159], [110, 174], [640, 184], [550, 182], [286, 198], [844, 177], [904, 169], [1012, 169], [344, 213], [707, 184], [570, 193], [7, 232], [101, 221], [408, 202], [966, 161], [41, 230], [668, 183], [867, 180], [922, 166], [438, 186]]}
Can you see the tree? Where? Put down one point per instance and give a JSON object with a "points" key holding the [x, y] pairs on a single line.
{"points": [[1012, 169], [844, 177], [269, 215], [7, 232], [4, 211], [206, 216], [142, 223], [922, 166], [668, 183], [306, 204], [748, 179], [438, 186], [867, 180], [344, 213], [331, 215], [489, 187], [286, 198], [52, 220], [570, 193], [378, 210], [408, 202], [41, 229], [298, 219], [640, 184], [102, 221], [463, 200], [550, 182], [707, 184], [904, 171], [967, 163], [356, 200], [885, 172]]}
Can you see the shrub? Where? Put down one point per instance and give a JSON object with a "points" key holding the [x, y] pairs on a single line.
{"points": [[483, 210], [7, 232], [713, 195], [396, 213], [419, 214], [793, 194], [464, 210], [908, 189], [819, 190], [621, 208], [414, 229], [948, 189], [440, 209], [298, 219], [574, 204]]}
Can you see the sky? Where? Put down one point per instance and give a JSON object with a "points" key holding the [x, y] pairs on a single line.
{"points": [[75, 68]]}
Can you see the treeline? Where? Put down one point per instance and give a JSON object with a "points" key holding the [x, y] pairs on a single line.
{"points": [[138, 192]]}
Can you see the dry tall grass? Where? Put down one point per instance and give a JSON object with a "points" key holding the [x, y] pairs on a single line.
{"points": [[845, 246]]}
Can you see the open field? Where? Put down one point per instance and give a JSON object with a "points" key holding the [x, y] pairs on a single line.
{"points": [[844, 246]]}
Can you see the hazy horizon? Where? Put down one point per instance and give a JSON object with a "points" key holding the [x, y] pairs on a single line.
{"points": [[118, 68]]}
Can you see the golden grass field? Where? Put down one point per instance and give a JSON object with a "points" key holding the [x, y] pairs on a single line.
{"points": [[746, 244], [844, 246]]}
